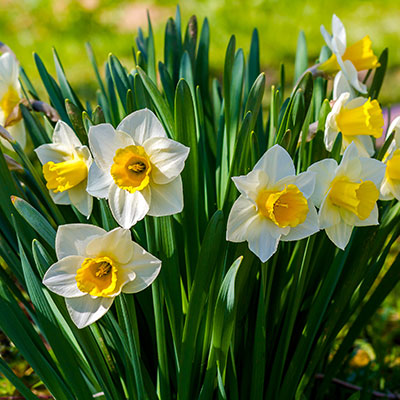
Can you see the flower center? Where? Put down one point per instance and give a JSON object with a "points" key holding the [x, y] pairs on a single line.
{"points": [[98, 277], [358, 198], [64, 175], [131, 168], [9, 101], [287, 207], [393, 166], [364, 120]]}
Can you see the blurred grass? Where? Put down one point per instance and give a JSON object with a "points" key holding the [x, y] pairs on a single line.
{"points": [[111, 25]]}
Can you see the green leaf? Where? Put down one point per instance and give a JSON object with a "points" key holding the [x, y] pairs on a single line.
{"points": [[379, 75], [301, 62]]}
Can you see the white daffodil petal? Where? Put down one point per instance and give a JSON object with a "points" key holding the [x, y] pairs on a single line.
{"points": [[325, 173], [339, 35], [63, 134], [18, 132], [81, 199], [166, 199], [99, 182], [277, 163], [61, 198], [342, 85], [60, 277], [352, 75], [386, 190], [167, 158], [241, 216], [371, 220], [116, 244], [350, 166], [249, 185], [104, 141], [85, 310], [53, 152], [364, 144], [372, 170], [304, 181], [72, 239], [329, 214], [327, 37], [146, 268], [8, 70], [142, 125], [339, 234], [307, 228], [128, 208], [263, 238]]}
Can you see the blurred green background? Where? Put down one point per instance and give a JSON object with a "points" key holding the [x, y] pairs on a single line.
{"points": [[111, 26]]}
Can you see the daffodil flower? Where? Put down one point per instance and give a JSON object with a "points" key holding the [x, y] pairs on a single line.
{"points": [[95, 266], [357, 120], [10, 96], [346, 194], [65, 168], [274, 204], [346, 61], [137, 168], [390, 187]]}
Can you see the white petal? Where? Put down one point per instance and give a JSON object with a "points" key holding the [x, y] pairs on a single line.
{"points": [[329, 214], [364, 144], [352, 75], [146, 268], [371, 220], [99, 182], [85, 310], [117, 244], [307, 228], [53, 152], [339, 35], [355, 103], [339, 234], [250, 185], [104, 141], [128, 208], [350, 166], [81, 199], [18, 132], [263, 238], [277, 164], [60, 277], [387, 190], [166, 199], [372, 170], [325, 173], [142, 125], [330, 135], [167, 158], [342, 85], [72, 239], [304, 181], [61, 198], [327, 37], [63, 134], [8, 72], [241, 216]]}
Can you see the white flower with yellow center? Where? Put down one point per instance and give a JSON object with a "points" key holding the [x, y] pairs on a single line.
{"points": [[65, 168], [137, 168], [274, 205], [10, 96], [346, 61], [357, 120], [390, 187], [95, 266], [346, 194]]}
